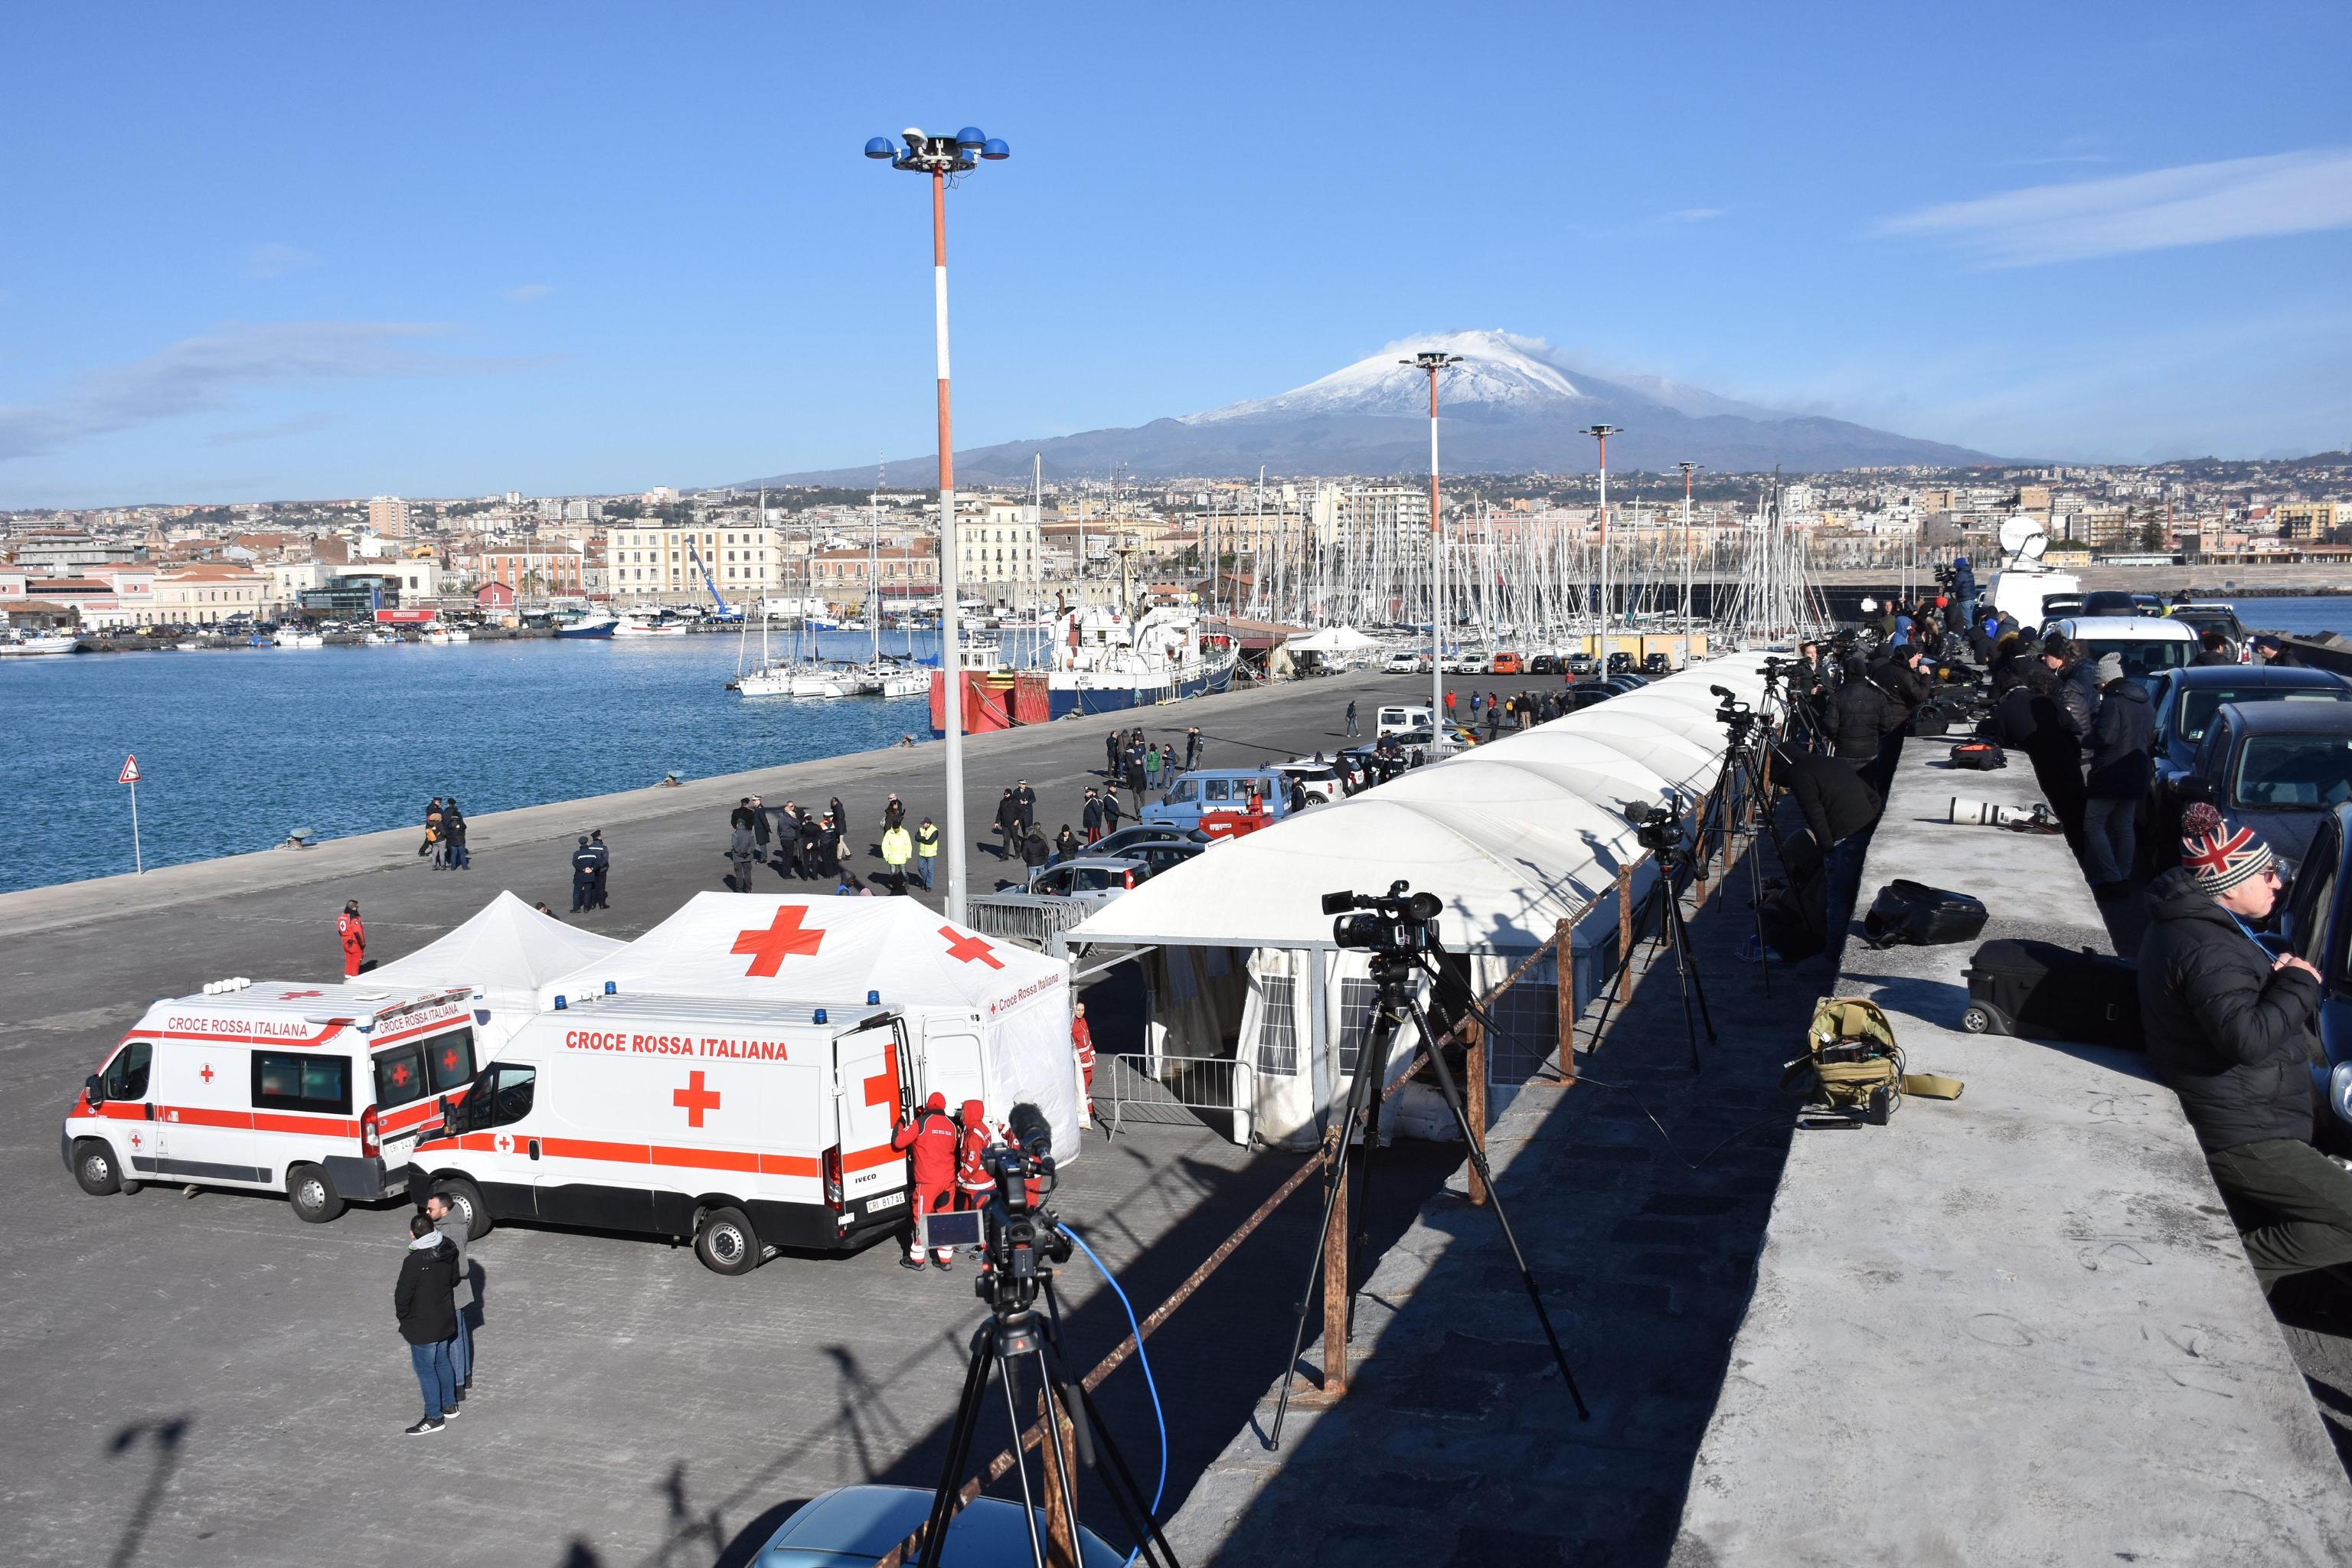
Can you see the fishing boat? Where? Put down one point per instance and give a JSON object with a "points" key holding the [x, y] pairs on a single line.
{"points": [[638, 627], [1100, 661], [586, 626]]}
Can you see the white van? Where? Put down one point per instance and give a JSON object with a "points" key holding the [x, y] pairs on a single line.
{"points": [[1402, 718], [746, 1126], [2148, 645], [317, 1092]]}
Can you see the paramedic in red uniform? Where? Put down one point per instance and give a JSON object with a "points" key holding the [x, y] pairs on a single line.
{"points": [[974, 1184], [355, 937], [930, 1139], [1082, 1040]]}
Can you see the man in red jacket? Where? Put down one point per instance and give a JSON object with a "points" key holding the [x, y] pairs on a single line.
{"points": [[1082, 1040], [354, 936], [974, 1184], [930, 1139]]}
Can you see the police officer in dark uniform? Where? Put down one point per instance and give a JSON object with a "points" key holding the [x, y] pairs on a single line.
{"points": [[583, 875]]}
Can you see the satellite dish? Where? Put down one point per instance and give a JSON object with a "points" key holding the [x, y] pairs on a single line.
{"points": [[2020, 535]]}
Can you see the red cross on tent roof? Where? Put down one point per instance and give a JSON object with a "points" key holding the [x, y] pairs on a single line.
{"points": [[970, 949], [783, 937], [694, 1099], [298, 995]]}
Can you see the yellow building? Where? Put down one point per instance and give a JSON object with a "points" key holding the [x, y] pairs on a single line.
{"points": [[205, 595], [2310, 520]]}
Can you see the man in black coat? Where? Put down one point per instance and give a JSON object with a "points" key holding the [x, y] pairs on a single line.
{"points": [[1008, 825], [1026, 800], [1839, 808], [2123, 738], [425, 1301], [2230, 1029], [1864, 715], [2214, 649]]}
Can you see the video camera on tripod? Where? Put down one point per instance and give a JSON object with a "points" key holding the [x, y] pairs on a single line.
{"points": [[1659, 828], [1397, 923], [1021, 1240]]}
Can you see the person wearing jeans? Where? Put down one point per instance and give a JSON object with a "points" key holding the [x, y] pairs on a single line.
{"points": [[425, 1299], [2121, 751]]}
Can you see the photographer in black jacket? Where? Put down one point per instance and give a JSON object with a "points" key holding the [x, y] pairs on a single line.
{"points": [[2229, 1028], [1839, 808]]}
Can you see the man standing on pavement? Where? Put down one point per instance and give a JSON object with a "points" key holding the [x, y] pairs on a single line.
{"points": [[898, 848], [2232, 1030], [1082, 1041], [450, 1224], [601, 867], [353, 936], [424, 1299], [583, 876], [930, 1141], [1026, 799], [1090, 816], [1839, 808], [1191, 748], [1008, 822], [1110, 754], [1111, 808], [2123, 738], [1353, 729], [927, 851]]}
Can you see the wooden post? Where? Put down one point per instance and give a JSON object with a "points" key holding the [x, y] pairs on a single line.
{"points": [[1624, 934], [1474, 1099], [1698, 863], [1061, 1469], [1564, 962], [1335, 1286]]}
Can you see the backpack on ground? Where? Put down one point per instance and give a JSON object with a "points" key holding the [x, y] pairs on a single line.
{"points": [[2043, 991], [1930, 718], [1917, 915], [1979, 756], [1852, 1065]]}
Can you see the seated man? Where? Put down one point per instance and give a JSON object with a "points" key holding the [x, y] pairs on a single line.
{"points": [[2230, 1029]]}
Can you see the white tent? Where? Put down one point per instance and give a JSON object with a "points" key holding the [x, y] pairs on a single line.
{"points": [[505, 953], [1683, 764], [1330, 639], [988, 1020]]}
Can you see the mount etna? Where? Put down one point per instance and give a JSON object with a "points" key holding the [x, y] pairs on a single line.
{"points": [[1509, 406]]}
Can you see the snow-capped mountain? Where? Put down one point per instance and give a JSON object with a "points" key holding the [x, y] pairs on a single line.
{"points": [[1510, 405], [1498, 375]]}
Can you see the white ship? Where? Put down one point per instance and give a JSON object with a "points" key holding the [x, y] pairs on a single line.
{"points": [[37, 645]]}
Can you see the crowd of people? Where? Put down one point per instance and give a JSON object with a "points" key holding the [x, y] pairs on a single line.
{"points": [[812, 843], [444, 836]]}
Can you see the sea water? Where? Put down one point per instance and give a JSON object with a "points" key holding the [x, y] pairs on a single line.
{"points": [[239, 747]]}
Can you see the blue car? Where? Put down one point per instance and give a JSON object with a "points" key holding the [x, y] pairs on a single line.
{"points": [[2317, 928], [2278, 767], [2186, 699]]}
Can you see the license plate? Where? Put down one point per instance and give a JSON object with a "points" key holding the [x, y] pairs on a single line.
{"points": [[887, 1201]]}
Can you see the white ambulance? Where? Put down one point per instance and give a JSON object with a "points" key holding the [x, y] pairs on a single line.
{"points": [[317, 1092], [744, 1126]]}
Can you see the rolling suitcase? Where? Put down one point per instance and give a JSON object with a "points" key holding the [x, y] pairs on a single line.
{"points": [[2046, 990]]}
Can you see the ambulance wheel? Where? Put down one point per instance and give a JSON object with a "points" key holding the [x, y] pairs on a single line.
{"points": [[725, 1242], [94, 1168], [465, 1200], [313, 1193], [1976, 1020]]}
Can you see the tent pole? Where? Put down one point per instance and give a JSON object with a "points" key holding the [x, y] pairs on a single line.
{"points": [[1321, 1052]]}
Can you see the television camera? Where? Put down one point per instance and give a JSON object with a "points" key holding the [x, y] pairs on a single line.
{"points": [[1660, 828], [1397, 923]]}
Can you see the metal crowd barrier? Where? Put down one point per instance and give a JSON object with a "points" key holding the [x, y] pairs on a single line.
{"points": [[1214, 1092]]}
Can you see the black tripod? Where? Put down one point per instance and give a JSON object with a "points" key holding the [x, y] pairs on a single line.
{"points": [[1673, 932], [1393, 1009], [1747, 762], [1004, 1343]]}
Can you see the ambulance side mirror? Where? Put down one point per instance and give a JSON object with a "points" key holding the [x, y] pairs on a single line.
{"points": [[95, 1086], [448, 1115]]}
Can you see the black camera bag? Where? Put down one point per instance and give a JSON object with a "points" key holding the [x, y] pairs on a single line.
{"points": [[1979, 756], [1917, 915], [2048, 991], [1930, 718]]}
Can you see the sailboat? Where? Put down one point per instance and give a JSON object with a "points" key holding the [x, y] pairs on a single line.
{"points": [[800, 675], [878, 677]]}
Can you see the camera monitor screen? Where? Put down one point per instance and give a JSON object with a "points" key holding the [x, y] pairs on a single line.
{"points": [[951, 1229]]}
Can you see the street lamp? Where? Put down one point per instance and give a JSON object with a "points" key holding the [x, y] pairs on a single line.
{"points": [[1440, 741], [1602, 434], [939, 157]]}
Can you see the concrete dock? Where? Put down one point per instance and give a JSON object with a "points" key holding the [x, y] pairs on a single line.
{"points": [[208, 1381]]}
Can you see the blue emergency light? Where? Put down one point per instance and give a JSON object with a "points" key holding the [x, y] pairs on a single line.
{"points": [[874, 998], [609, 988], [820, 1014], [558, 1003]]}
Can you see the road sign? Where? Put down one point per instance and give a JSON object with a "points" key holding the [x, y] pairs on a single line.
{"points": [[130, 773]]}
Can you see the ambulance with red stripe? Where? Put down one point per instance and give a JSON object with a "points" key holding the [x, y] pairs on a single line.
{"points": [[317, 1092], [744, 1126]]}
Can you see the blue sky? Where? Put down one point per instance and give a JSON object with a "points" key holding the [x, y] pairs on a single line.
{"points": [[265, 251]]}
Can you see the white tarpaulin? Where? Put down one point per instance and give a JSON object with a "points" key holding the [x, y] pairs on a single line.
{"points": [[505, 953], [970, 995], [1330, 639]]}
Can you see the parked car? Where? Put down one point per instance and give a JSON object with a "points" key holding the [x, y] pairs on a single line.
{"points": [[1135, 836], [2205, 618], [1403, 661], [1621, 663], [1507, 664], [1466, 664], [2056, 607], [2184, 702], [856, 1525], [2274, 766], [1544, 664], [2148, 645], [1320, 781], [2110, 602], [1091, 878], [2317, 926], [1579, 697], [1395, 718], [1209, 792], [1580, 665]]}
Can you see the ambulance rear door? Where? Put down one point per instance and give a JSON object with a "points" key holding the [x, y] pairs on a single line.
{"points": [[951, 1060], [412, 1078], [869, 1083]]}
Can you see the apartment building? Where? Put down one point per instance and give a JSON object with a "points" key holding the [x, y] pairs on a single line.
{"points": [[663, 560]]}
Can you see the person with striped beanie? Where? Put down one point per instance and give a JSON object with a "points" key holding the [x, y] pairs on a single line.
{"points": [[2232, 1028]]}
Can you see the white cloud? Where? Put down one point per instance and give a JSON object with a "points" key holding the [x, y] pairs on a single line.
{"points": [[204, 375], [2196, 204], [1693, 214], [263, 262], [529, 294]]}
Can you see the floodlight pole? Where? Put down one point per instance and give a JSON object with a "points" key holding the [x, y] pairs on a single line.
{"points": [[939, 156], [1602, 433], [1440, 740]]}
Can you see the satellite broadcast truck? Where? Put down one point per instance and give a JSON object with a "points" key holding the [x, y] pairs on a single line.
{"points": [[744, 1126], [319, 1093]]}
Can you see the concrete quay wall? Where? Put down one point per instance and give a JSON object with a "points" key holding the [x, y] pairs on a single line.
{"points": [[2015, 1327]]}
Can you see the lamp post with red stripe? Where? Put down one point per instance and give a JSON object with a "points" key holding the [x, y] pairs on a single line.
{"points": [[1602, 433], [943, 157]]}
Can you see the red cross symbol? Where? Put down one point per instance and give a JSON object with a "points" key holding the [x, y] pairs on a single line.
{"points": [[207, 1074], [694, 1099], [449, 1061], [400, 1074], [783, 938], [882, 1089], [298, 995], [134, 1140], [966, 948]]}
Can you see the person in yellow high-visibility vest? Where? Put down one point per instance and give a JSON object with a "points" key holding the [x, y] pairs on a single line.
{"points": [[927, 852], [898, 848]]}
